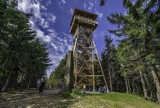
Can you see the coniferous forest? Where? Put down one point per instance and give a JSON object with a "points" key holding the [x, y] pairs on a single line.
{"points": [[131, 63], [136, 57], [22, 55]]}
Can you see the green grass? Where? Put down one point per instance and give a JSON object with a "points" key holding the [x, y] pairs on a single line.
{"points": [[31, 99], [112, 100]]}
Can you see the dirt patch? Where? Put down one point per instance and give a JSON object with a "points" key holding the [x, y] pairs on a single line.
{"points": [[29, 99]]}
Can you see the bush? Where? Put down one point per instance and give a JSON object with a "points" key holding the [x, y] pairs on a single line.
{"points": [[65, 94], [77, 91]]}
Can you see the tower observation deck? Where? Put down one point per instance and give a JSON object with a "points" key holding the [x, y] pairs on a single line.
{"points": [[87, 69], [82, 18]]}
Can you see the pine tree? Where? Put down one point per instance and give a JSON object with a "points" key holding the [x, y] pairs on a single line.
{"points": [[140, 30]]}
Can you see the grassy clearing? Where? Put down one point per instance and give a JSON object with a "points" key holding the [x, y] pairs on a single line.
{"points": [[111, 100]]}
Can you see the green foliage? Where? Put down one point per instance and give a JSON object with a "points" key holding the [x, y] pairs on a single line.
{"points": [[19, 47], [113, 100], [139, 68], [137, 53], [111, 65], [52, 81], [65, 94], [58, 74], [77, 91], [102, 2], [150, 58], [137, 32], [60, 70]]}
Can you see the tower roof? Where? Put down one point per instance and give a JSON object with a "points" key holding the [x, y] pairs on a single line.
{"points": [[84, 14]]}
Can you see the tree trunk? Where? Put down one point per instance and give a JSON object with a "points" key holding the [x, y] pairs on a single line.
{"points": [[156, 80], [126, 83], [29, 81], [143, 85], [133, 88], [117, 85], [148, 81], [7, 81], [4, 63], [110, 76], [8, 78], [129, 85]]}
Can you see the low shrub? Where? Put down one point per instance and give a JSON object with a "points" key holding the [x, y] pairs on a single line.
{"points": [[77, 91], [65, 94]]}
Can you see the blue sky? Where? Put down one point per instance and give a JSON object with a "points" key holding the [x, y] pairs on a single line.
{"points": [[51, 20]]}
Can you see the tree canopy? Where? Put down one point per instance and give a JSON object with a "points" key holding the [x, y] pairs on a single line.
{"points": [[19, 47], [137, 54]]}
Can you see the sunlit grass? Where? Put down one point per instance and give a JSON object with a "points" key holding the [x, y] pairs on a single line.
{"points": [[114, 100]]}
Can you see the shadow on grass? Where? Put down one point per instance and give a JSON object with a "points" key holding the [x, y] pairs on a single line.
{"points": [[33, 99]]}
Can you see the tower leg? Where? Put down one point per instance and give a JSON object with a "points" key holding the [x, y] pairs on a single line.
{"points": [[101, 69]]}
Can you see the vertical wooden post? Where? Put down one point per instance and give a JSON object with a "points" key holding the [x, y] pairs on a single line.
{"points": [[101, 68]]}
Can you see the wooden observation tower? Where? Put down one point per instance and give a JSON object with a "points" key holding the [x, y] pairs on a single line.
{"points": [[87, 68]]}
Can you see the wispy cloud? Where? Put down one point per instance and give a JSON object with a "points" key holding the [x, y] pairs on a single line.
{"points": [[96, 1], [40, 34], [40, 18], [63, 1], [44, 8], [84, 5], [48, 2], [71, 11], [90, 7], [100, 14], [57, 45], [47, 39], [42, 22], [55, 60]]}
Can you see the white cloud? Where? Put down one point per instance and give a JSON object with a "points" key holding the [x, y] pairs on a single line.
{"points": [[34, 7], [43, 23], [54, 46], [100, 15], [71, 11], [55, 59], [62, 49], [84, 6], [40, 34], [47, 39], [90, 7], [57, 44], [69, 47], [52, 18], [22, 5], [63, 1], [46, 24], [30, 5], [62, 43], [44, 8], [32, 23], [52, 32], [48, 2]]}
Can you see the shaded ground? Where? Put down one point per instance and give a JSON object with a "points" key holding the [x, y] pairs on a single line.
{"points": [[30, 99], [50, 99]]}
